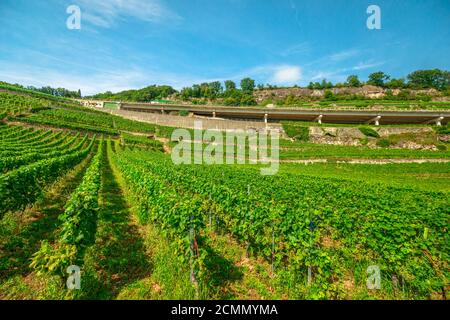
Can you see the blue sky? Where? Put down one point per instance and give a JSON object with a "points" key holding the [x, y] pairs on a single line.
{"points": [[126, 44]]}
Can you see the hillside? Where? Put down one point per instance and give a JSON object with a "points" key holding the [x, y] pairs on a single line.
{"points": [[84, 187], [363, 92]]}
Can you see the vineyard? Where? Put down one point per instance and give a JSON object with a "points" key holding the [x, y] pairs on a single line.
{"points": [[80, 187]]}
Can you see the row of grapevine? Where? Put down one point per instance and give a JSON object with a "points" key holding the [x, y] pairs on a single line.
{"points": [[60, 144], [15, 133], [11, 103], [79, 223], [44, 140], [141, 141], [34, 139], [289, 224], [10, 163], [24, 185], [179, 216], [43, 120], [45, 143]]}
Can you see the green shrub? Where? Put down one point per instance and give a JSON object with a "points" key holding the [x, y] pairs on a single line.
{"points": [[423, 97], [441, 147], [248, 100], [442, 129], [298, 133], [364, 141], [369, 132], [384, 143], [183, 113], [231, 101]]}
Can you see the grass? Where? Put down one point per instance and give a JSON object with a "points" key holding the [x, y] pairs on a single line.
{"points": [[166, 277], [299, 133], [301, 150], [425, 176], [118, 256], [229, 273], [235, 275], [345, 125]]}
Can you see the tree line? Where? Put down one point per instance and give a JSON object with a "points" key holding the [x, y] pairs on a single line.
{"points": [[230, 94], [146, 94], [57, 92], [420, 79]]}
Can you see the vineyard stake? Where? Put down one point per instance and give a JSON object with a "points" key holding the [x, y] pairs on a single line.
{"points": [[309, 276], [273, 250], [210, 218], [311, 223], [192, 276]]}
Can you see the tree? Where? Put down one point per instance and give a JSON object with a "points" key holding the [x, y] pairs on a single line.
{"points": [[229, 85], [326, 85], [186, 93], [247, 100], [247, 85], [231, 101], [396, 83], [378, 78], [328, 94], [317, 85], [353, 81], [215, 88], [195, 91], [434, 78], [310, 86]]}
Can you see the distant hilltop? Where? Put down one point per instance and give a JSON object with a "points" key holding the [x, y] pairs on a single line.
{"points": [[366, 91]]}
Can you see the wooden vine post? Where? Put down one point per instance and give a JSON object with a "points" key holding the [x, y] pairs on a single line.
{"points": [[193, 245]]}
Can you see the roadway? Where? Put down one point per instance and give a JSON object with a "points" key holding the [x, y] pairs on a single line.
{"points": [[319, 115]]}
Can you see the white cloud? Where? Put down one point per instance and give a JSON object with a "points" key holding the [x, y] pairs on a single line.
{"points": [[287, 74], [106, 13], [275, 74]]}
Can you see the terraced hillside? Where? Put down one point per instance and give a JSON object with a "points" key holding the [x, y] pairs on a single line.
{"points": [[86, 188]]}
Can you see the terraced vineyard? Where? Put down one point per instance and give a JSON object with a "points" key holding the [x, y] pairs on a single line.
{"points": [[85, 188], [302, 225]]}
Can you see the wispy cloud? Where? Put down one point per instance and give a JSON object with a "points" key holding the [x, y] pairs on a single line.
{"points": [[367, 65], [319, 75], [296, 13], [300, 48], [344, 55], [105, 14], [341, 74]]}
